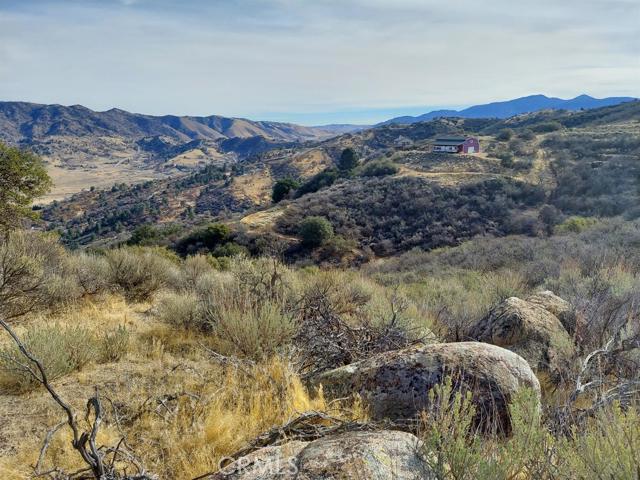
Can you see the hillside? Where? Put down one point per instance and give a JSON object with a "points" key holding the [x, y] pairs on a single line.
{"points": [[518, 106], [85, 148], [22, 122], [562, 163]]}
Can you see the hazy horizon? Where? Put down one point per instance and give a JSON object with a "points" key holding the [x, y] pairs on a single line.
{"points": [[330, 61]]}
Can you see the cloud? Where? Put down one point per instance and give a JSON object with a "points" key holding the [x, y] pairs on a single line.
{"points": [[259, 57]]}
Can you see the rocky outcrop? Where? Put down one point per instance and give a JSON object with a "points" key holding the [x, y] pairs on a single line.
{"points": [[396, 384], [556, 306], [531, 331], [381, 455]]}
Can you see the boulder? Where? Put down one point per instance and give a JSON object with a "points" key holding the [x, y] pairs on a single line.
{"points": [[396, 384], [532, 332], [556, 306], [381, 455]]}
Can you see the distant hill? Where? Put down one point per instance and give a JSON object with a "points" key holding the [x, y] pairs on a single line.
{"points": [[24, 122], [85, 148], [581, 162], [509, 108], [340, 128]]}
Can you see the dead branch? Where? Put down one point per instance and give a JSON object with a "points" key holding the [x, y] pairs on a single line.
{"points": [[84, 443], [45, 447]]}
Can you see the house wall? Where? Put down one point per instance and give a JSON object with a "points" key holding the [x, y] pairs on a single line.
{"points": [[471, 142], [445, 148]]}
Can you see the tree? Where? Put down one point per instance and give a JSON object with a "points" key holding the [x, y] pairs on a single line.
{"points": [[282, 188], [379, 168], [23, 178], [505, 135], [144, 235], [348, 160], [315, 231], [206, 239]]}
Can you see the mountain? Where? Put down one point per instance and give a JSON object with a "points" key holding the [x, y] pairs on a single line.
{"points": [[401, 196], [22, 121], [340, 128], [84, 148], [509, 108]]}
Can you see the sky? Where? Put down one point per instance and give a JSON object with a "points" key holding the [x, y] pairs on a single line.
{"points": [[314, 61]]}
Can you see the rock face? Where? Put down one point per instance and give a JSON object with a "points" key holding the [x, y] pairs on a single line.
{"points": [[381, 455], [396, 384], [531, 331], [556, 306]]}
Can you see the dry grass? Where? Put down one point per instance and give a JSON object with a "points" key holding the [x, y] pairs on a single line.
{"points": [[180, 410]]}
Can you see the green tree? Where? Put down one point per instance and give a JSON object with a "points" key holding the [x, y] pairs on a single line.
{"points": [[144, 235], [23, 178], [315, 231], [348, 160], [205, 239], [282, 188]]}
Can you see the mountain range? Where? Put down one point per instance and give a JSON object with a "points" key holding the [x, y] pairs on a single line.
{"points": [[24, 122], [518, 106]]}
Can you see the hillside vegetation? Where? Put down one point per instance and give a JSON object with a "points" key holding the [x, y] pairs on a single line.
{"points": [[535, 171], [384, 311]]}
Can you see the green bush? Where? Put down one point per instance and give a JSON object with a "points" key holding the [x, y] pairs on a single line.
{"points": [[230, 249], [315, 231], [145, 235], [575, 225], [205, 239], [379, 168], [319, 181], [348, 160], [282, 188]]}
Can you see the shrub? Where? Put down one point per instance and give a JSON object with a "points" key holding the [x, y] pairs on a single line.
{"points": [[319, 181], [204, 239], [91, 272], [314, 231], [192, 270], [575, 224], [546, 127], [348, 160], [114, 344], [282, 188], [505, 135], [182, 310], [61, 350], [145, 235], [379, 168], [607, 447], [230, 249], [256, 332], [246, 312], [526, 135], [138, 273], [35, 273]]}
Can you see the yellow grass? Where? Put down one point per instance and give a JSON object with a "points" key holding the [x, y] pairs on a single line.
{"points": [[187, 410]]}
